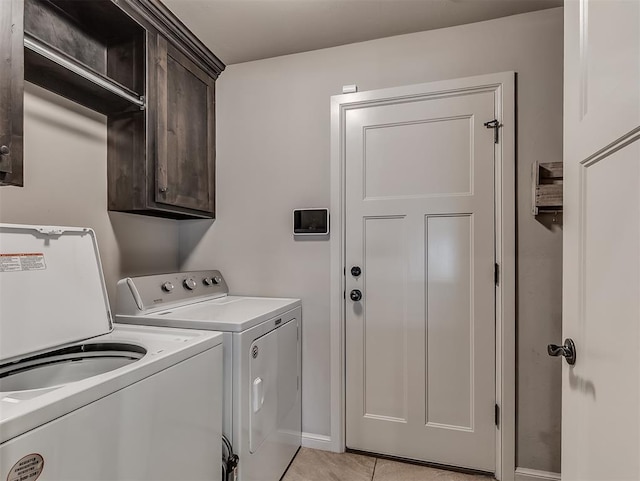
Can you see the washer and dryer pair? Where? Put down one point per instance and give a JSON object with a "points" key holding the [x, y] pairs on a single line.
{"points": [[262, 358], [84, 399]]}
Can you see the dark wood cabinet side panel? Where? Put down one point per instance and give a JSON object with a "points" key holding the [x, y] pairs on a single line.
{"points": [[126, 170], [11, 92]]}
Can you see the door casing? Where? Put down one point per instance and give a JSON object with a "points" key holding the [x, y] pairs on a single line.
{"points": [[503, 85]]}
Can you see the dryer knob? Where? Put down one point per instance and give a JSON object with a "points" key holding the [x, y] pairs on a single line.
{"points": [[207, 281], [217, 280], [167, 287], [189, 284]]}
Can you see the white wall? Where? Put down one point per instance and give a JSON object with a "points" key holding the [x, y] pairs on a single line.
{"points": [[273, 155], [65, 155]]}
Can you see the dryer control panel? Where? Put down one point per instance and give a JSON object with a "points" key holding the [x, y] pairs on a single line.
{"points": [[141, 295]]}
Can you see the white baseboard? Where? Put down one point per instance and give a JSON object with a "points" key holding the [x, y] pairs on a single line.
{"points": [[525, 474], [316, 441]]}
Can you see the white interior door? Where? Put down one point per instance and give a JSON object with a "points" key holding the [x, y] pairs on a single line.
{"points": [[420, 226], [601, 302]]}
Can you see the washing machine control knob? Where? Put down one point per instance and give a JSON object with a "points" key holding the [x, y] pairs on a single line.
{"points": [[207, 281], [189, 283], [167, 287], [217, 280]]}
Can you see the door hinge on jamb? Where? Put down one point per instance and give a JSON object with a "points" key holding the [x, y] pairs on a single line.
{"points": [[496, 274], [495, 125], [497, 415]]}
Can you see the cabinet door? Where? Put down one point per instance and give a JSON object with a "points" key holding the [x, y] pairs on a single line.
{"points": [[185, 132], [11, 91]]}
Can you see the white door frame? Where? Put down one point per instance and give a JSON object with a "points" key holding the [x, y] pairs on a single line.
{"points": [[503, 86]]}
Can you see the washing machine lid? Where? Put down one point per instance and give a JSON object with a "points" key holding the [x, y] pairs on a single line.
{"points": [[52, 289]]}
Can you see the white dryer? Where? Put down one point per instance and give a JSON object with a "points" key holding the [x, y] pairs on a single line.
{"points": [[81, 399], [262, 358]]}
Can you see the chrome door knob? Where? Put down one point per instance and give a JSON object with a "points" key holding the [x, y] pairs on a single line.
{"points": [[568, 351], [355, 295]]}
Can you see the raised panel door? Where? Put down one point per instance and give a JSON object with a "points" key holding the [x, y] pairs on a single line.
{"points": [[185, 133]]}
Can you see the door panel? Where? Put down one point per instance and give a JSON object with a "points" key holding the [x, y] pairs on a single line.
{"points": [[420, 222], [601, 392], [449, 294], [601, 252], [275, 386], [384, 318], [388, 174], [186, 135], [263, 369]]}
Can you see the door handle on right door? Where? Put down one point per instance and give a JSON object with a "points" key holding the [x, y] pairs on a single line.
{"points": [[355, 295], [568, 351]]}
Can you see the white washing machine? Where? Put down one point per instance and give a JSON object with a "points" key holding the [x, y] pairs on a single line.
{"points": [[83, 400], [262, 358]]}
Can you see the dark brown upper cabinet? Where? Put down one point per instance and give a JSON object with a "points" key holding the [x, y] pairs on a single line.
{"points": [[178, 177], [135, 62], [11, 89]]}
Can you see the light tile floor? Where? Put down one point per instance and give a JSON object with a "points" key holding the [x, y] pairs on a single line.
{"points": [[314, 465]]}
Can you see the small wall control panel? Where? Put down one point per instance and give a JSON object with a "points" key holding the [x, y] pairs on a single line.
{"points": [[139, 295]]}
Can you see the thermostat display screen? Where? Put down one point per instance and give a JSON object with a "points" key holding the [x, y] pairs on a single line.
{"points": [[311, 221]]}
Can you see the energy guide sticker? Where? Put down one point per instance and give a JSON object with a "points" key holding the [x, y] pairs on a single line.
{"points": [[25, 261]]}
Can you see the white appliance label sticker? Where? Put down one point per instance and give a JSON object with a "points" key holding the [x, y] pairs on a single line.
{"points": [[29, 468], [26, 261]]}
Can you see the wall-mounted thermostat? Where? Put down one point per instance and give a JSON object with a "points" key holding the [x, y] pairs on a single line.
{"points": [[310, 221]]}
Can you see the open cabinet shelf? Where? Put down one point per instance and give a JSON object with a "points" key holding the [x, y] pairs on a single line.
{"points": [[56, 71], [90, 52]]}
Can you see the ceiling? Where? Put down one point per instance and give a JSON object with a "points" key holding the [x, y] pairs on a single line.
{"points": [[244, 30]]}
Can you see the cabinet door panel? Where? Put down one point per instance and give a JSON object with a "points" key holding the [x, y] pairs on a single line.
{"points": [[11, 92], [185, 132]]}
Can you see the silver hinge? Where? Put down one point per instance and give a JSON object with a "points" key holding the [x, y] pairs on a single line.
{"points": [[497, 415], [495, 125], [496, 274]]}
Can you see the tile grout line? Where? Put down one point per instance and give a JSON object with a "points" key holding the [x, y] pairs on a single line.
{"points": [[373, 475]]}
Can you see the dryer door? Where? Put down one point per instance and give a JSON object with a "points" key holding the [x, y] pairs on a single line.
{"points": [[274, 382]]}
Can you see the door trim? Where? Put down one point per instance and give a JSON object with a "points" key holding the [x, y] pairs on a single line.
{"points": [[503, 85]]}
